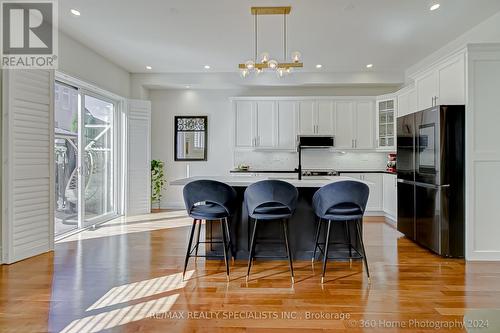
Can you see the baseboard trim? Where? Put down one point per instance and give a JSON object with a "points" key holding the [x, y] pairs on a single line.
{"points": [[173, 205]]}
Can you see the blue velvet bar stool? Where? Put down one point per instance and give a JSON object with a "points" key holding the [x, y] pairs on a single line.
{"points": [[209, 200], [340, 202], [269, 200]]}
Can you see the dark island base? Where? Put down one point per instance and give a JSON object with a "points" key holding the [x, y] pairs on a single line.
{"points": [[270, 242]]}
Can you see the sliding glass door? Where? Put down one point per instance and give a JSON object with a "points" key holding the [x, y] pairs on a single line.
{"points": [[85, 158], [66, 106], [98, 159]]}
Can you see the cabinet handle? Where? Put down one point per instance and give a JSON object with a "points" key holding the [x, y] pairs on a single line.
{"points": [[352, 143]]}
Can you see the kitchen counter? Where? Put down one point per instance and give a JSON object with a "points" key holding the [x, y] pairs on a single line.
{"points": [[252, 171], [302, 225], [367, 171], [262, 171], [244, 181]]}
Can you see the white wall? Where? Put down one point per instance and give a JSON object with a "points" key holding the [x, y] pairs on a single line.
{"points": [[216, 105], [487, 31], [77, 60]]}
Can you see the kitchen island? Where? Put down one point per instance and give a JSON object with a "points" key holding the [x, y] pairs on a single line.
{"points": [[302, 225]]}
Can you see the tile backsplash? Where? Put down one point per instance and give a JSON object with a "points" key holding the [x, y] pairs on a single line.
{"points": [[312, 159]]}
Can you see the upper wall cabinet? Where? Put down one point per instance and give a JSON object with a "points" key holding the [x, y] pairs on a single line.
{"points": [[406, 101], [386, 128], [287, 125], [265, 124], [244, 124], [325, 118], [354, 124], [265, 118], [274, 123], [344, 124], [316, 117], [443, 84], [365, 120]]}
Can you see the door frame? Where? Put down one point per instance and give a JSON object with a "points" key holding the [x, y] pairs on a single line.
{"points": [[119, 156]]}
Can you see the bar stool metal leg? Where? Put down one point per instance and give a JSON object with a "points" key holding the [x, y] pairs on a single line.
{"points": [[360, 237], [325, 256], [318, 230], [252, 249], [226, 226], [198, 231], [188, 252], [285, 232], [348, 239], [224, 245]]}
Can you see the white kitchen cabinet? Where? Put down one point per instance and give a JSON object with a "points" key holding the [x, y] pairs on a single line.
{"points": [[427, 90], [307, 117], [273, 123], [287, 125], [244, 124], [365, 125], [386, 124], [265, 125], [443, 84], [266, 129], [344, 124], [375, 181], [354, 125], [406, 101], [452, 82], [390, 196], [316, 117], [325, 118]]}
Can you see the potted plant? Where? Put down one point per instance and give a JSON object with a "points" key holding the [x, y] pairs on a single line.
{"points": [[157, 181]]}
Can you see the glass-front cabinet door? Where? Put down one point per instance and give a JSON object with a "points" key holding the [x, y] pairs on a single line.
{"points": [[386, 120]]}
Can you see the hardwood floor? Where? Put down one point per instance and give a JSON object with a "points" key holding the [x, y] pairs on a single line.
{"points": [[116, 277]]}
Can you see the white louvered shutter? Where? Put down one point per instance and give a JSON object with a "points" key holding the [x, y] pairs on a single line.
{"points": [[138, 157], [28, 140]]}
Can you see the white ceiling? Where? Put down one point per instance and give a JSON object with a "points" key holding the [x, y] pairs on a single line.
{"points": [[343, 35]]}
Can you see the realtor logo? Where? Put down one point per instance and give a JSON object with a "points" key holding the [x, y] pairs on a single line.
{"points": [[29, 34]]}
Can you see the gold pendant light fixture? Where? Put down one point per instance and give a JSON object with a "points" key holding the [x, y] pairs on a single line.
{"points": [[265, 62]]}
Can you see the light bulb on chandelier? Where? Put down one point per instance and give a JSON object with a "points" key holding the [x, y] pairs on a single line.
{"points": [[249, 64], [264, 57], [273, 64], [296, 56], [244, 73]]}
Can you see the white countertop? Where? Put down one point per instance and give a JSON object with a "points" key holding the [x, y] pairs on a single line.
{"points": [[244, 181]]}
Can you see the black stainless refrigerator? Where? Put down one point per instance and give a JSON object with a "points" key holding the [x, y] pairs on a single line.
{"points": [[431, 178]]}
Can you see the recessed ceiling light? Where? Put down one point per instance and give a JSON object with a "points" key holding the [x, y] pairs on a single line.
{"points": [[187, 86], [319, 66], [149, 67], [75, 12], [369, 66], [435, 6], [207, 67]]}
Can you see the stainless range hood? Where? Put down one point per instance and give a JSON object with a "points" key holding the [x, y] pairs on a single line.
{"points": [[315, 141], [312, 142]]}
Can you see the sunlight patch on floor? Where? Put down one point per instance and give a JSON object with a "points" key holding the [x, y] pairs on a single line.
{"points": [[134, 224], [117, 317], [127, 293], [137, 290]]}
